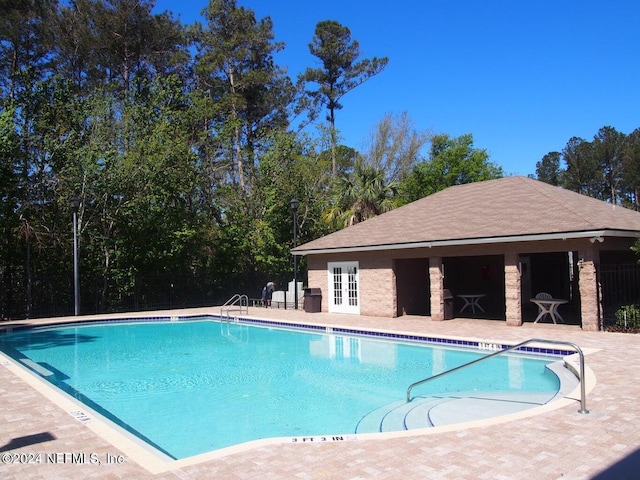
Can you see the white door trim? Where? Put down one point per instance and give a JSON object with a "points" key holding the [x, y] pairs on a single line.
{"points": [[343, 280]]}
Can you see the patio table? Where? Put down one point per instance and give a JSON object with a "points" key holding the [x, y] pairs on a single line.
{"points": [[473, 301], [549, 306]]}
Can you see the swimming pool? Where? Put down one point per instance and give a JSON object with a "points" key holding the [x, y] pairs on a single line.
{"points": [[197, 385]]}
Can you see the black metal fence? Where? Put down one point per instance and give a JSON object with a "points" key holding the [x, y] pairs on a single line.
{"points": [[153, 292], [620, 288], [52, 296]]}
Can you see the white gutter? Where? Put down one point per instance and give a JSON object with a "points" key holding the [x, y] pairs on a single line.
{"points": [[592, 235]]}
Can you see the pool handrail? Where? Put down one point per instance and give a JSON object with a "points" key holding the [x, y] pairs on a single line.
{"points": [[583, 396], [237, 303]]}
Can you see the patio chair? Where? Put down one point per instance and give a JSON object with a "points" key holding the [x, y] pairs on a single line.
{"points": [[544, 296]]}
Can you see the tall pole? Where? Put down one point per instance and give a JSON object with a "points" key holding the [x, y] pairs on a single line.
{"points": [[75, 205], [294, 209]]}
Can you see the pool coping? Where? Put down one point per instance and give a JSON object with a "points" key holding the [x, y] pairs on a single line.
{"points": [[156, 462]]}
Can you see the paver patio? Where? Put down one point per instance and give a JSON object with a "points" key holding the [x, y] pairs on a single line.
{"points": [[559, 443]]}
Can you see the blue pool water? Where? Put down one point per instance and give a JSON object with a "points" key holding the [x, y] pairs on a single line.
{"points": [[189, 387]]}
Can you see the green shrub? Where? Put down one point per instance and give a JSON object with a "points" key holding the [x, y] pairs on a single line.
{"points": [[628, 317]]}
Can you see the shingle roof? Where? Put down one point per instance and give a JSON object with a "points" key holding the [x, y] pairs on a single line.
{"points": [[517, 207]]}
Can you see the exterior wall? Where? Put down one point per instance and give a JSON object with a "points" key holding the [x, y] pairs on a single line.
{"points": [[317, 276], [378, 282], [589, 289], [436, 280], [513, 296], [377, 286]]}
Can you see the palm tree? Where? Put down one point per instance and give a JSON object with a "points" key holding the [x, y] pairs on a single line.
{"points": [[360, 195]]}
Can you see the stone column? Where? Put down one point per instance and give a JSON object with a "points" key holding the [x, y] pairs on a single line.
{"points": [[512, 287], [589, 284], [436, 281]]}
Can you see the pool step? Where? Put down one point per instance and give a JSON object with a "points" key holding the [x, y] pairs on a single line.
{"points": [[372, 422], [470, 408], [424, 412], [400, 415], [568, 380], [415, 414]]}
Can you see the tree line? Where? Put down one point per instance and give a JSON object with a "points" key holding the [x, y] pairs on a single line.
{"points": [[184, 145], [606, 167]]}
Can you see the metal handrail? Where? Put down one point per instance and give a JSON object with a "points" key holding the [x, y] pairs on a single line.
{"points": [[583, 396], [243, 306]]}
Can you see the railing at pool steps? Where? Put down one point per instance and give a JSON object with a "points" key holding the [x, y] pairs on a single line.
{"points": [[583, 396], [238, 304]]}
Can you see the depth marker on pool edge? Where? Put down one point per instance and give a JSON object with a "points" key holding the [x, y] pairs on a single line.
{"points": [[324, 438], [81, 416]]}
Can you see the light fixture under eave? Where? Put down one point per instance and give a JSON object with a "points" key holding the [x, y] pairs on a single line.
{"points": [[599, 239]]}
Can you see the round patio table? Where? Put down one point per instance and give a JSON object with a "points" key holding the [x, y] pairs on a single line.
{"points": [[549, 306], [473, 301]]}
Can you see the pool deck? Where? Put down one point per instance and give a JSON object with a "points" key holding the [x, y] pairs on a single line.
{"points": [[555, 443]]}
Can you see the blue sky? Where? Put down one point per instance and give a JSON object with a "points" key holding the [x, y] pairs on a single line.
{"points": [[522, 77]]}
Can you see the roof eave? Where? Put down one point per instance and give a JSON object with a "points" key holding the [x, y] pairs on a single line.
{"points": [[592, 235]]}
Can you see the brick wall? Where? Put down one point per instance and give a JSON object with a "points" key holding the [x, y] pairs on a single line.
{"points": [[436, 285], [513, 305], [377, 286], [589, 289]]}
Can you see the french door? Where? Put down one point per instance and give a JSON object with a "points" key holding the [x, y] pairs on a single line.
{"points": [[344, 294]]}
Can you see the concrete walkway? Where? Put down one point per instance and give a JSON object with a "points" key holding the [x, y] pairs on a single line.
{"points": [[39, 438]]}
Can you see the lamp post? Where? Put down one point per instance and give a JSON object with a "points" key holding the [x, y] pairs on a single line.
{"points": [[294, 210], [75, 205]]}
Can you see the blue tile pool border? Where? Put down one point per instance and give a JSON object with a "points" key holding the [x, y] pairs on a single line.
{"points": [[306, 327], [406, 337]]}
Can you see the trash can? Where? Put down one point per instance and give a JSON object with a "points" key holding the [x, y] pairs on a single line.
{"points": [[312, 300], [448, 305]]}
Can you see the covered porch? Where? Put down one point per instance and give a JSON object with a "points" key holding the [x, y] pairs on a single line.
{"points": [[503, 283]]}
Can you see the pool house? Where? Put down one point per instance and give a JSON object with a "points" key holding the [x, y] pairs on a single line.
{"points": [[482, 250]]}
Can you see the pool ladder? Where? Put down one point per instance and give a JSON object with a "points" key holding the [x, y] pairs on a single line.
{"points": [[238, 304], [583, 397]]}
